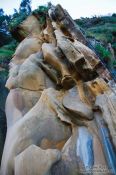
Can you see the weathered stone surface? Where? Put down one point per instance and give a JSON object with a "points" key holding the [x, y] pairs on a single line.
{"points": [[29, 26], [89, 55], [66, 23], [36, 161], [18, 103], [42, 121], [88, 145], [76, 57], [80, 152], [107, 103], [27, 75], [73, 104], [27, 47], [98, 86], [51, 56], [69, 164], [48, 33]]}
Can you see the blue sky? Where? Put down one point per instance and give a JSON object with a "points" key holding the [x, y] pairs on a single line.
{"points": [[76, 8]]}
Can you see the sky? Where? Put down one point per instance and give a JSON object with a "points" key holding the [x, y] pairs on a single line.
{"points": [[76, 8]]}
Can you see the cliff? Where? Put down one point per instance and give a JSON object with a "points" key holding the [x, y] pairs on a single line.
{"points": [[60, 109]]}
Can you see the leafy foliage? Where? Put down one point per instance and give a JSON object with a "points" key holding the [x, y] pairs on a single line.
{"points": [[6, 53], [4, 34], [41, 13], [17, 20], [106, 57], [25, 7], [104, 53], [105, 32], [19, 16]]}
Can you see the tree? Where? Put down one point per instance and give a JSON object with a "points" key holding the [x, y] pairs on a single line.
{"points": [[20, 15], [4, 34], [25, 7]]}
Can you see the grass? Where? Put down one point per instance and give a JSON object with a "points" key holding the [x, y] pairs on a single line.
{"points": [[102, 29], [103, 33], [5, 52], [8, 50]]}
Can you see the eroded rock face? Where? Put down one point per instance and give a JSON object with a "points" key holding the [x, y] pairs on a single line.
{"points": [[107, 104], [60, 112], [42, 161], [29, 26], [52, 55], [27, 47], [39, 124]]}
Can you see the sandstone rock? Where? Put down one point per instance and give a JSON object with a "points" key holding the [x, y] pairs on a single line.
{"points": [[89, 55], [18, 103], [42, 121], [59, 15], [76, 57], [42, 161], [49, 33], [51, 56], [27, 47], [76, 107], [28, 74], [30, 26], [107, 105], [69, 164], [13, 72], [98, 86], [77, 153]]}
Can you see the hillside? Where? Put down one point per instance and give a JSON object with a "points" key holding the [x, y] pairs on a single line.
{"points": [[101, 32]]}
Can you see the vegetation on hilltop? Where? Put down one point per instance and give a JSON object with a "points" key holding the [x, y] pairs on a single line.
{"points": [[101, 31], [7, 43]]}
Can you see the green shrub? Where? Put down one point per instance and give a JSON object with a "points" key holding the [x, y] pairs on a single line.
{"points": [[103, 52], [106, 57], [6, 53], [41, 13], [4, 74], [17, 20]]}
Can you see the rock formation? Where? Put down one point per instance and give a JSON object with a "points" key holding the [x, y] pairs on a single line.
{"points": [[61, 113]]}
